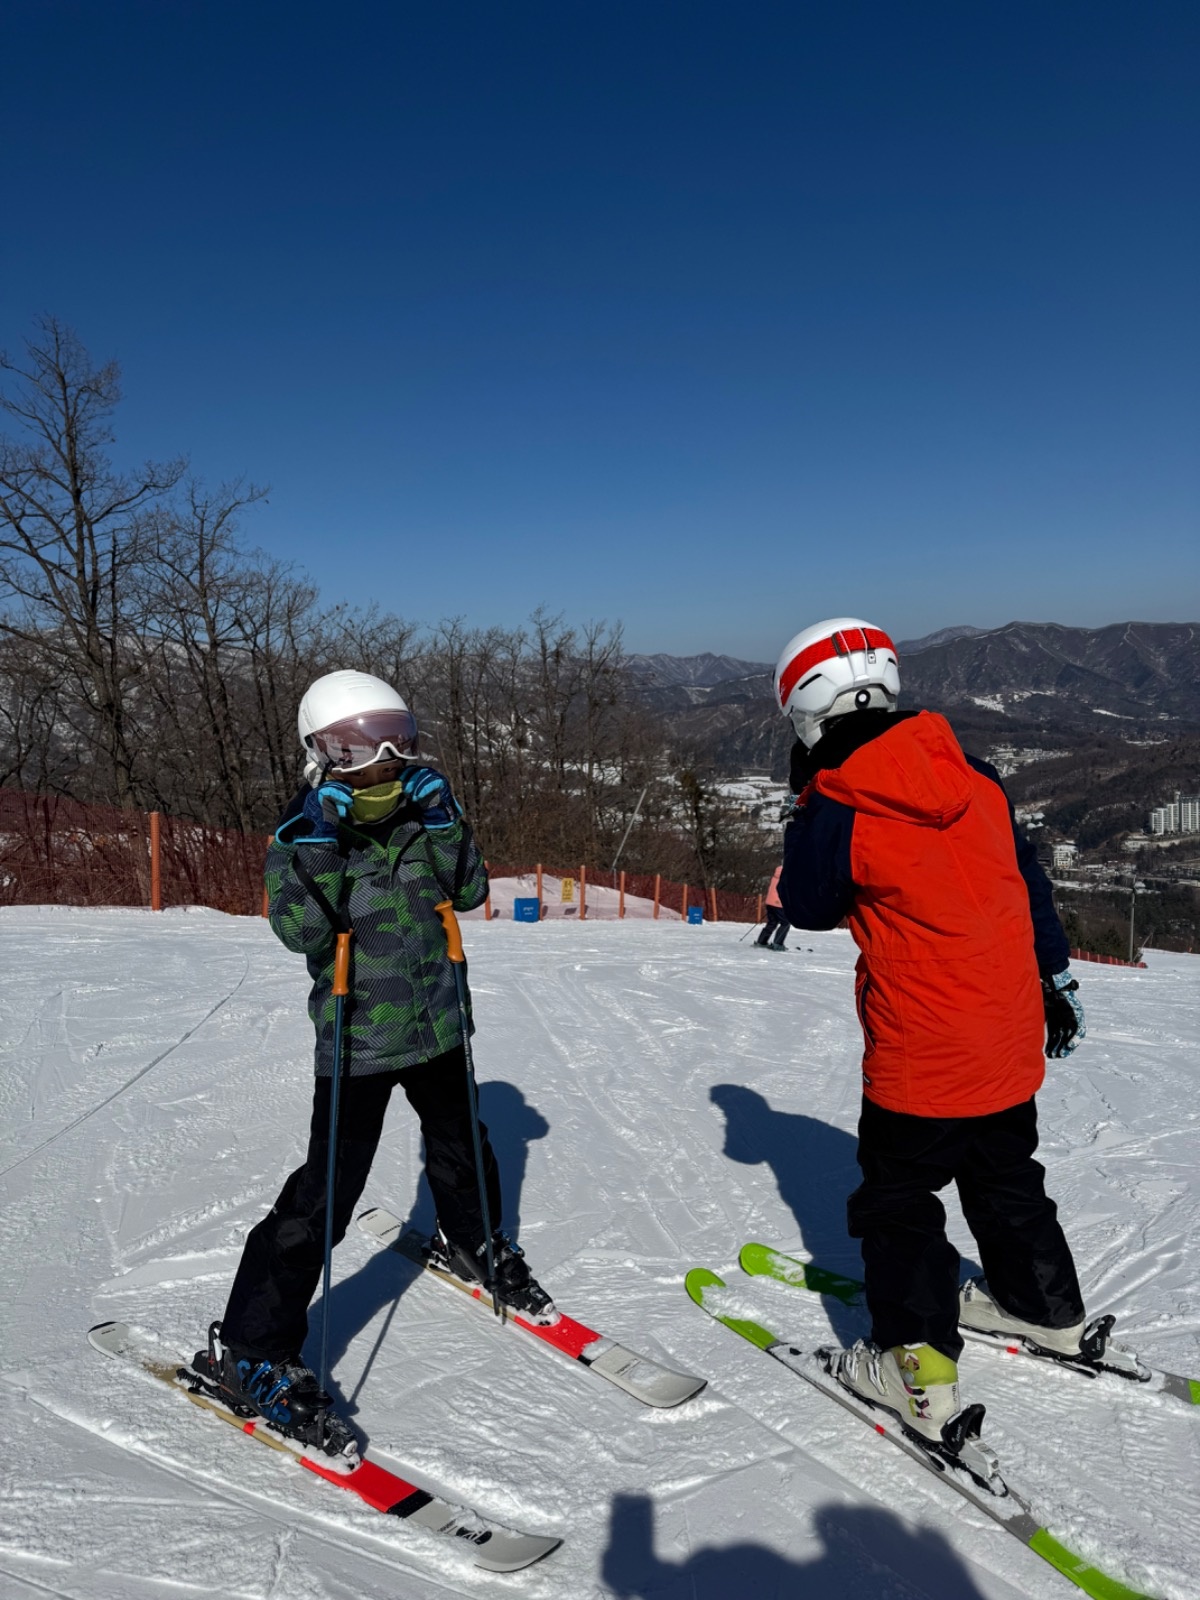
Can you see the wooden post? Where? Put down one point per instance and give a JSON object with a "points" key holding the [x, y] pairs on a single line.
{"points": [[621, 901], [155, 861], [712, 900], [759, 918], [582, 893], [266, 905], [539, 890], [683, 907], [657, 887], [487, 904]]}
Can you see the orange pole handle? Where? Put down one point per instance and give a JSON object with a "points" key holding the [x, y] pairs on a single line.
{"points": [[454, 944], [341, 966]]}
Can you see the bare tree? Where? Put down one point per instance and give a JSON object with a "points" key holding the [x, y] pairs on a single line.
{"points": [[70, 533]]}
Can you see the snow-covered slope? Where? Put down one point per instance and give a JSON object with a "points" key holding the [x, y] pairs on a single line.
{"points": [[657, 1094]]}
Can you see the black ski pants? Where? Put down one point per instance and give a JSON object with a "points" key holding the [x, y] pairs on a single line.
{"points": [[911, 1268], [777, 925], [284, 1255]]}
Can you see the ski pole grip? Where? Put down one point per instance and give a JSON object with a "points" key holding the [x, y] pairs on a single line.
{"points": [[454, 944], [341, 965]]}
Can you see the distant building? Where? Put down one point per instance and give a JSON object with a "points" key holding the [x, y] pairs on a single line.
{"points": [[1064, 856], [1181, 815]]}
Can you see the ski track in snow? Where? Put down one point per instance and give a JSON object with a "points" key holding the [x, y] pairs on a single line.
{"points": [[657, 1094]]}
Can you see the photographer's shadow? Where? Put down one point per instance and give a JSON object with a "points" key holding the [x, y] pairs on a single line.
{"points": [[861, 1543], [387, 1275], [815, 1169]]}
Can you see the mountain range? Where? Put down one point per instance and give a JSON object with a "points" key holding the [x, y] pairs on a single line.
{"points": [[1032, 684]]}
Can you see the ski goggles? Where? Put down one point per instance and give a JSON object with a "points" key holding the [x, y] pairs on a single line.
{"points": [[364, 740]]}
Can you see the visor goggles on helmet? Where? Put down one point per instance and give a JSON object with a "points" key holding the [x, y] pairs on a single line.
{"points": [[363, 740]]}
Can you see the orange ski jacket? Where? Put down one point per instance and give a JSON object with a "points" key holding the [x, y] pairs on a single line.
{"points": [[917, 846]]}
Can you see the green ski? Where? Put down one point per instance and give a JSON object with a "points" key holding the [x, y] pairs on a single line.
{"points": [[760, 1261], [994, 1497]]}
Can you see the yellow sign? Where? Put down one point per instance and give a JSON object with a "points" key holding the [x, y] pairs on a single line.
{"points": [[568, 891]]}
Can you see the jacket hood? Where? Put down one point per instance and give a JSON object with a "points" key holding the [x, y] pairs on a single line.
{"points": [[915, 772]]}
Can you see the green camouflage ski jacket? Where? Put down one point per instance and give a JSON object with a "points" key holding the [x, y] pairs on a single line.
{"points": [[402, 1008]]}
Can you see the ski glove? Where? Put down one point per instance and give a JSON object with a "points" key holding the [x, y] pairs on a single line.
{"points": [[430, 793], [326, 806], [1065, 1026]]}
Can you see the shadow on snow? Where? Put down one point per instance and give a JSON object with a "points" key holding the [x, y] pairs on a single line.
{"points": [[866, 1550]]}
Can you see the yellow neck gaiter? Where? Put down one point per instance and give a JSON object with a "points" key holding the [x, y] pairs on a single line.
{"points": [[377, 802]]}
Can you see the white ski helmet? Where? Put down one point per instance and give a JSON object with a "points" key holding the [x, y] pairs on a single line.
{"points": [[833, 668], [350, 720]]}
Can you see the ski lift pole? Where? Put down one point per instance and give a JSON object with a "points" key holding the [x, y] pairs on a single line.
{"points": [[340, 989], [454, 949]]}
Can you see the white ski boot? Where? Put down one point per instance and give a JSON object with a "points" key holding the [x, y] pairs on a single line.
{"points": [[919, 1386], [1086, 1345], [979, 1312]]}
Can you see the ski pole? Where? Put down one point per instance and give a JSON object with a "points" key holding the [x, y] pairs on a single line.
{"points": [[341, 988], [749, 930], [454, 949]]}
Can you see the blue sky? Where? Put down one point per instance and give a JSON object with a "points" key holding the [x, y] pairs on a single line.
{"points": [[713, 318]]}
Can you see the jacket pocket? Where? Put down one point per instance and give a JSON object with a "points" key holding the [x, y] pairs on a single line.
{"points": [[861, 989]]}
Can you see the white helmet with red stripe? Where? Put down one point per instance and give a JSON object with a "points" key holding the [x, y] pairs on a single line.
{"points": [[833, 668]]}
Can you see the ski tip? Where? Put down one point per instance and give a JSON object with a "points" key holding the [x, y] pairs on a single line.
{"points": [[698, 1280], [757, 1259], [512, 1552], [108, 1337]]}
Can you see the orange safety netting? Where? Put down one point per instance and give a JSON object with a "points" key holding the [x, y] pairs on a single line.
{"points": [[55, 851], [674, 899]]}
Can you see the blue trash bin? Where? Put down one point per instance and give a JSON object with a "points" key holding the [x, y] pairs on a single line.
{"points": [[695, 915], [526, 910]]}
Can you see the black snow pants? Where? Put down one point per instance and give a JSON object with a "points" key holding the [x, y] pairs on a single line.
{"points": [[284, 1255], [910, 1267], [776, 925]]}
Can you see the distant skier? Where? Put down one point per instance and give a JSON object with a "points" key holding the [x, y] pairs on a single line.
{"points": [[775, 930], [962, 982], [381, 836]]}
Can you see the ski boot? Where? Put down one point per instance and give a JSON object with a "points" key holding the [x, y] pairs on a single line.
{"points": [[284, 1394], [516, 1287], [919, 1386], [1086, 1345]]}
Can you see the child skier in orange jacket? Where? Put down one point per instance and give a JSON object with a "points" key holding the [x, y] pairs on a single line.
{"points": [[962, 968]]}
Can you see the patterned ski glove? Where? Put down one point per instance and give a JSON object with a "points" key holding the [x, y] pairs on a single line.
{"points": [[430, 792], [326, 806], [1065, 1026]]}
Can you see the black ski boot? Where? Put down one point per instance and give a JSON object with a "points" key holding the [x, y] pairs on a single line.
{"points": [[516, 1287], [283, 1393]]}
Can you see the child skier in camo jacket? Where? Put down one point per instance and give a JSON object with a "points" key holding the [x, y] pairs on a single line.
{"points": [[962, 973], [380, 838]]}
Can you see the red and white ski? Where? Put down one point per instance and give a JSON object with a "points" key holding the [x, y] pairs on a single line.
{"points": [[496, 1548], [646, 1380]]}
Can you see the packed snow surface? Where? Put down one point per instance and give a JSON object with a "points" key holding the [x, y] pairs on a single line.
{"points": [[658, 1094]]}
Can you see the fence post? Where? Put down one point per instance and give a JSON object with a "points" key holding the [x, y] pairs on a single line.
{"points": [[712, 900], [621, 901], [266, 905], [759, 918], [683, 907], [155, 861], [582, 893], [539, 890], [657, 887], [487, 904]]}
